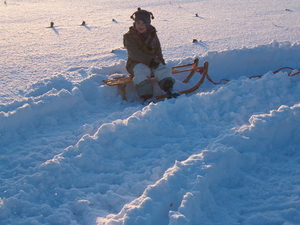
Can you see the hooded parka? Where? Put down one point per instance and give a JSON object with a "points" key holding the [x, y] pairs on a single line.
{"points": [[142, 48]]}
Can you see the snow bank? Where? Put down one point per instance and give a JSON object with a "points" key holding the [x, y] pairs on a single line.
{"points": [[231, 154], [52, 99], [221, 185], [231, 64]]}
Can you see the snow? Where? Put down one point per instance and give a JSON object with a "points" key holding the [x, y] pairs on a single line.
{"points": [[73, 152]]}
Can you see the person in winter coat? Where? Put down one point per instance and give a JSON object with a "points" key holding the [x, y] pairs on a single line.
{"points": [[145, 57]]}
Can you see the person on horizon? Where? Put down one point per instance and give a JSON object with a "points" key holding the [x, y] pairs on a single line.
{"points": [[145, 57]]}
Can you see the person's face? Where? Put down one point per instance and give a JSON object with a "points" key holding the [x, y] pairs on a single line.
{"points": [[140, 26]]}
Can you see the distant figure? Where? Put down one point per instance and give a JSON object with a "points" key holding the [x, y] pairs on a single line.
{"points": [[5, 3], [51, 24], [145, 57]]}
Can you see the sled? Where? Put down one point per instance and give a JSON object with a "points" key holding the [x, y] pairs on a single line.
{"points": [[122, 81]]}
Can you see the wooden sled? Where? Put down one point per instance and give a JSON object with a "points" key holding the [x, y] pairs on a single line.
{"points": [[122, 81]]}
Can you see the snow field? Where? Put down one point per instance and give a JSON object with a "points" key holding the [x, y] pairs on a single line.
{"points": [[72, 152]]}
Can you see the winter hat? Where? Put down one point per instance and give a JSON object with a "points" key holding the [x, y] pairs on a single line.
{"points": [[142, 15]]}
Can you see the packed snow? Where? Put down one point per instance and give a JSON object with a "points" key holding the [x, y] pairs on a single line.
{"points": [[73, 152]]}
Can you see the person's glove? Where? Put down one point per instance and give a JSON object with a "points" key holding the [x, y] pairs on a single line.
{"points": [[154, 64]]}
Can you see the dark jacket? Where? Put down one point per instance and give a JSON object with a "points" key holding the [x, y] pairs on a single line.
{"points": [[142, 48]]}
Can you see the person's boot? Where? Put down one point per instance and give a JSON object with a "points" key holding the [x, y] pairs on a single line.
{"points": [[171, 94], [168, 88]]}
